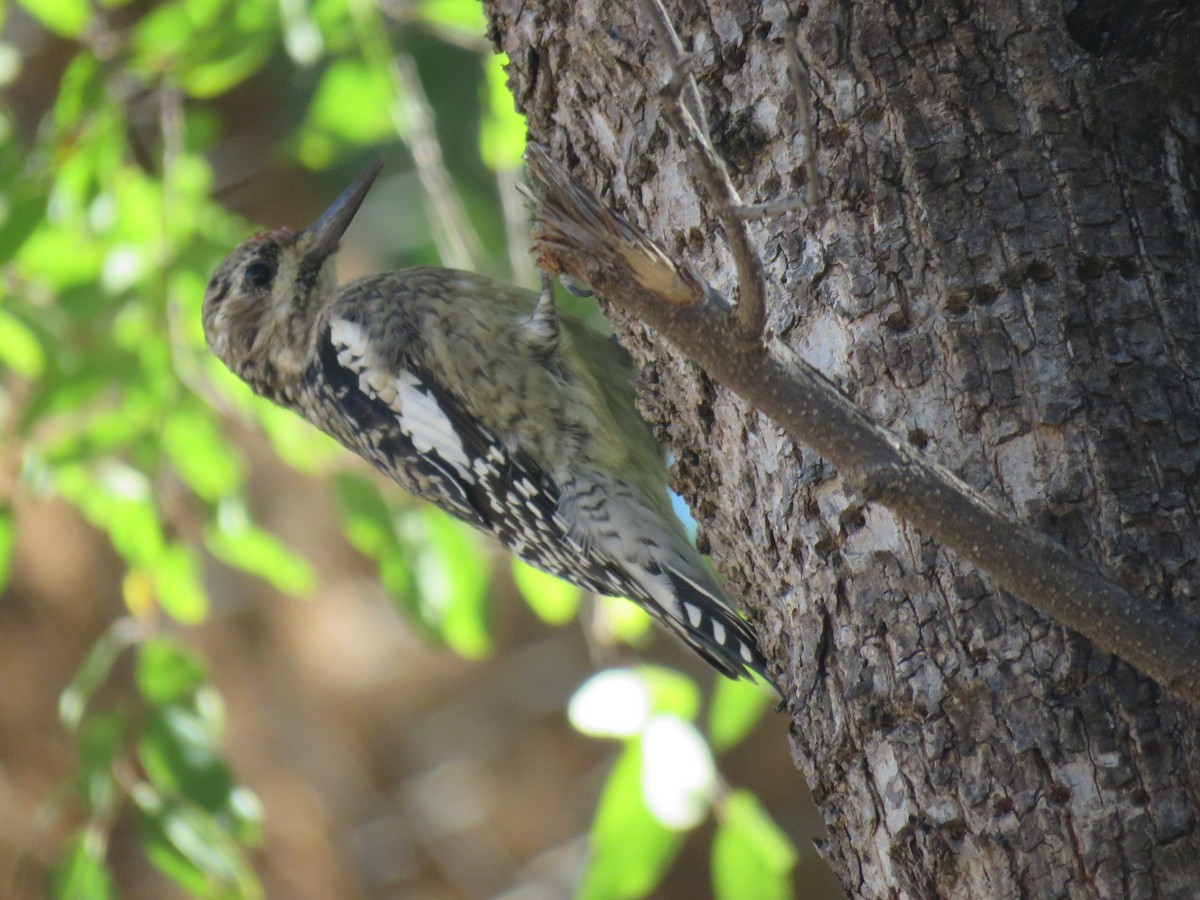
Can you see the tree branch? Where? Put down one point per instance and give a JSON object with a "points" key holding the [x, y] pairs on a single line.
{"points": [[575, 233], [751, 300]]}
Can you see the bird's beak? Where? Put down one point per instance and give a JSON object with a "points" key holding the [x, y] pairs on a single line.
{"points": [[327, 231]]}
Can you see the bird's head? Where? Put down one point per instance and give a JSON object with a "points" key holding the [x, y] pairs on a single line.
{"points": [[263, 300]]}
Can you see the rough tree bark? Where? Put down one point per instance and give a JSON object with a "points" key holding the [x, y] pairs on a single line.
{"points": [[1005, 272]]}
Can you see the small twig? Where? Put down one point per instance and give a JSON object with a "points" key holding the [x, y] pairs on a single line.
{"points": [[574, 232], [516, 226], [802, 87], [750, 312], [457, 243], [667, 37]]}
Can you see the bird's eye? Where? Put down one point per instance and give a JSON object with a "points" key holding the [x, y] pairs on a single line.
{"points": [[258, 275]]}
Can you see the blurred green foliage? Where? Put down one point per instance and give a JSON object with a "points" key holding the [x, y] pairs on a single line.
{"points": [[110, 400]]}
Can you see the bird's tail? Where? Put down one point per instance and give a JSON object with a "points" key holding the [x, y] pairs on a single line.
{"points": [[699, 614]]}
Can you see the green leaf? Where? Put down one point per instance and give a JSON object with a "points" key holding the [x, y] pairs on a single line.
{"points": [[94, 672], [10, 70], [630, 849], [400, 581], [80, 873], [67, 18], [204, 459], [117, 498], [678, 774], [20, 348], [301, 35], [751, 858], [245, 814], [453, 571], [612, 703], [177, 581], [80, 91], [736, 707], [298, 444], [214, 78], [353, 105], [623, 620], [190, 847], [671, 692], [366, 519], [503, 130], [237, 541], [8, 542], [25, 210], [260, 553], [465, 16], [553, 600], [179, 752], [101, 742], [167, 673], [207, 47]]}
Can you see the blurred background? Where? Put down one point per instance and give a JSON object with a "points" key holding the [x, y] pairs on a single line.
{"points": [[234, 662]]}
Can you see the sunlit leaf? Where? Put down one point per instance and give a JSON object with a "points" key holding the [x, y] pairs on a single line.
{"points": [[453, 572], [167, 673], [177, 580], [630, 850], [751, 858], [23, 212], [366, 519], [200, 453], [613, 703], [10, 66], [214, 78], [463, 15], [245, 816], [503, 130], [671, 692], [67, 18], [237, 541], [190, 847], [179, 752], [80, 873], [20, 349], [678, 775], [298, 444], [301, 35], [137, 589], [620, 620], [554, 600], [59, 259], [207, 47], [736, 707], [398, 578], [117, 498], [352, 104]]}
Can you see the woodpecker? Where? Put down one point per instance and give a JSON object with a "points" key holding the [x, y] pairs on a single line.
{"points": [[483, 399]]}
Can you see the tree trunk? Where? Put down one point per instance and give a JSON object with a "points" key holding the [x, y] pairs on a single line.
{"points": [[1005, 272]]}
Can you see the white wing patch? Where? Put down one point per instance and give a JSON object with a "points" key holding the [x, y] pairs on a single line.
{"points": [[351, 343], [417, 411], [424, 420]]}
